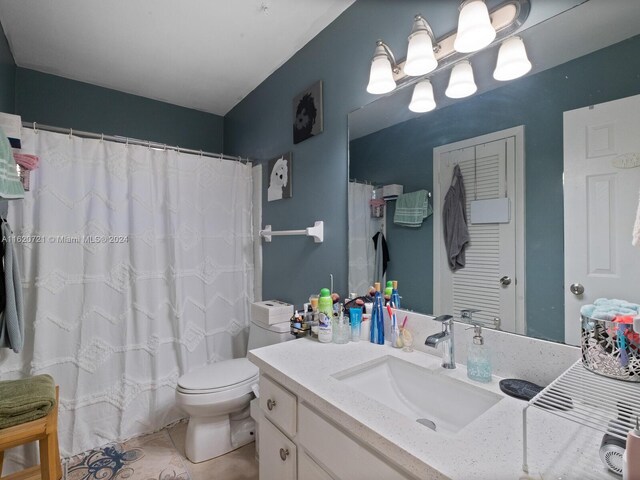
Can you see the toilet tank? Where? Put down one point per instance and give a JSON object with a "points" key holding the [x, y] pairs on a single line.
{"points": [[261, 335]]}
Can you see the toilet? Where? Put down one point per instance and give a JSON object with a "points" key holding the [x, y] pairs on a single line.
{"points": [[216, 398]]}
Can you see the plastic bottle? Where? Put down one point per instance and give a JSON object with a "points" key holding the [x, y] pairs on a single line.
{"points": [[377, 318], [395, 296], [478, 358], [388, 289], [631, 456], [325, 315]]}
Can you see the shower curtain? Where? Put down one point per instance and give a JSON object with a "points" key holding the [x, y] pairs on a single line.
{"points": [[362, 227], [137, 266]]}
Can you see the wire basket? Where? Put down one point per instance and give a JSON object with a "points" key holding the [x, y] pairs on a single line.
{"points": [[611, 349]]}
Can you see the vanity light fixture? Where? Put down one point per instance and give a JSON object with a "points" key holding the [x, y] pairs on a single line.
{"points": [[383, 66], [427, 55], [422, 99], [461, 82], [475, 30], [512, 60], [421, 58]]}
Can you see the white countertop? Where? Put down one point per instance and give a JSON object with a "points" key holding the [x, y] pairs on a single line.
{"points": [[488, 448]]}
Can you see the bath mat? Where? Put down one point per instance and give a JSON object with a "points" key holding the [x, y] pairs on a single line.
{"points": [[151, 457]]}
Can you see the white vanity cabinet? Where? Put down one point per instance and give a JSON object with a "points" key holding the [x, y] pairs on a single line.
{"points": [[296, 442]]}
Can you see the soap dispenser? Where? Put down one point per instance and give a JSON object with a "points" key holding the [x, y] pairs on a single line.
{"points": [[478, 358]]}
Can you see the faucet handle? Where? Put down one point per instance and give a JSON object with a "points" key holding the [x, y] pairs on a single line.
{"points": [[443, 318]]}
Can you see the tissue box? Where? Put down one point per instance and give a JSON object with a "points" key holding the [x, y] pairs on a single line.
{"points": [[391, 192], [269, 312]]}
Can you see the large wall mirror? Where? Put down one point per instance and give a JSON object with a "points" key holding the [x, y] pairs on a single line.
{"points": [[585, 56]]}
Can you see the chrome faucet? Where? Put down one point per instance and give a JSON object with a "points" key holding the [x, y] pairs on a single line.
{"points": [[446, 338]]}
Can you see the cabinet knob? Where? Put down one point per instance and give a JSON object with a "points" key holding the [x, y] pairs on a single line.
{"points": [[271, 404], [284, 453]]}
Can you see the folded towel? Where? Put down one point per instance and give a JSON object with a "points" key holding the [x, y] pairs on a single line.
{"points": [[412, 208], [30, 162], [26, 399], [608, 309]]}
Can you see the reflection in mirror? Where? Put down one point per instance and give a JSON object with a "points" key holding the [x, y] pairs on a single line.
{"points": [[582, 57]]}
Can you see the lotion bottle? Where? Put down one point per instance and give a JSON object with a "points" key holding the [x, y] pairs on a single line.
{"points": [[325, 316], [631, 457]]}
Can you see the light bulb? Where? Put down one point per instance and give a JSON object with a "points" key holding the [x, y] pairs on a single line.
{"points": [[461, 82], [474, 27], [422, 99], [512, 60]]}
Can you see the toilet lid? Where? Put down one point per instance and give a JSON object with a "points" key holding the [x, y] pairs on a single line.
{"points": [[219, 375]]}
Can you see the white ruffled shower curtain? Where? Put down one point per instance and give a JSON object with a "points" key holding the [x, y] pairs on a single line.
{"points": [[137, 266], [362, 227]]}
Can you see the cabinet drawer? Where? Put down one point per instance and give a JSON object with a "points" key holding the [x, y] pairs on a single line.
{"points": [[277, 454], [278, 405]]}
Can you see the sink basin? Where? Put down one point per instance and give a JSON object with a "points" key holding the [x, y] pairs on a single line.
{"points": [[436, 401]]}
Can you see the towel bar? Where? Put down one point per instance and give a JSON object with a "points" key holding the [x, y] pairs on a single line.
{"points": [[317, 232]]}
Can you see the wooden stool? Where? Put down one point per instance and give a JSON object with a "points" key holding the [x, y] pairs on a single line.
{"points": [[45, 431]]}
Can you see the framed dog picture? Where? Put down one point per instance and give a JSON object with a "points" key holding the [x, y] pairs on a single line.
{"points": [[307, 113], [279, 178]]}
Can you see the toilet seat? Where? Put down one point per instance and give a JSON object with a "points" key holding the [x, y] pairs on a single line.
{"points": [[238, 374]]}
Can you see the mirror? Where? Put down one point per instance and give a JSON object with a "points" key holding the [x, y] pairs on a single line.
{"points": [[584, 56]]}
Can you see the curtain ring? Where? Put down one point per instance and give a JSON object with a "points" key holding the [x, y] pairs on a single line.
{"points": [[200, 153], [102, 137], [126, 144], [35, 127], [149, 144], [70, 132]]}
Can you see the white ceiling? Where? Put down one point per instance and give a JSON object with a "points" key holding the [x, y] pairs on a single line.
{"points": [[201, 54]]}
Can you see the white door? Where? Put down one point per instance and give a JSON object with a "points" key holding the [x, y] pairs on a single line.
{"points": [[601, 184], [492, 280]]}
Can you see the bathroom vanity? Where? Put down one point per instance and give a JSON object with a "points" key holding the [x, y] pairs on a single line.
{"points": [[356, 411]]}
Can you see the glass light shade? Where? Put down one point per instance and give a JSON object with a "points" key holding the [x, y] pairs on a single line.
{"points": [[474, 27], [381, 76], [461, 82], [512, 60], [422, 99], [420, 57]]}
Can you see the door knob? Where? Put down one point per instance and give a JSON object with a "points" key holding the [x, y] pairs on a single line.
{"points": [[284, 454], [576, 289], [505, 281]]}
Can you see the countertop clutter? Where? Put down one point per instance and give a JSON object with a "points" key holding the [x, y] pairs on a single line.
{"points": [[489, 447]]}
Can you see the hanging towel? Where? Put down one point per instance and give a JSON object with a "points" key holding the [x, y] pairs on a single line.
{"points": [[412, 208], [381, 258], [636, 229], [12, 319], [10, 186], [454, 219]]}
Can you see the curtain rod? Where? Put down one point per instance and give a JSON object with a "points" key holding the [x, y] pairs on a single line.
{"points": [[130, 141]]}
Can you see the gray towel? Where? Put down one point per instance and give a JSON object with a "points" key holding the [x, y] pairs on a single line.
{"points": [[454, 219], [12, 319]]}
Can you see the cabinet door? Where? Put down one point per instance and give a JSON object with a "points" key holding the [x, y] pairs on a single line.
{"points": [[310, 470], [277, 454]]}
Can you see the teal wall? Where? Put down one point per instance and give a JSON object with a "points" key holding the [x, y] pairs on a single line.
{"points": [[7, 75], [536, 101], [260, 127], [57, 101]]}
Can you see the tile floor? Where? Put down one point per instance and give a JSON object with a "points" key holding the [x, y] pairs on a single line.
{"points": [[240, 464]]}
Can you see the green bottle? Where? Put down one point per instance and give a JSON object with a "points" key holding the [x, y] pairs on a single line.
{"points": [[325, 314]]}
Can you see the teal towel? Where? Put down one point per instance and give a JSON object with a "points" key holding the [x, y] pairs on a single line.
{"points": [[412, 208]]}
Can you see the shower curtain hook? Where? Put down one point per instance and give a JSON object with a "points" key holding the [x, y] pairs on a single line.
{"points": [[200, 153], [149, 144], [70, 132], [35, 127], [126, 144], [101, 137]]}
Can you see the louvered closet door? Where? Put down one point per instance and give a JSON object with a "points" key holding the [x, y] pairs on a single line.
{"points": [[488, 173]]}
